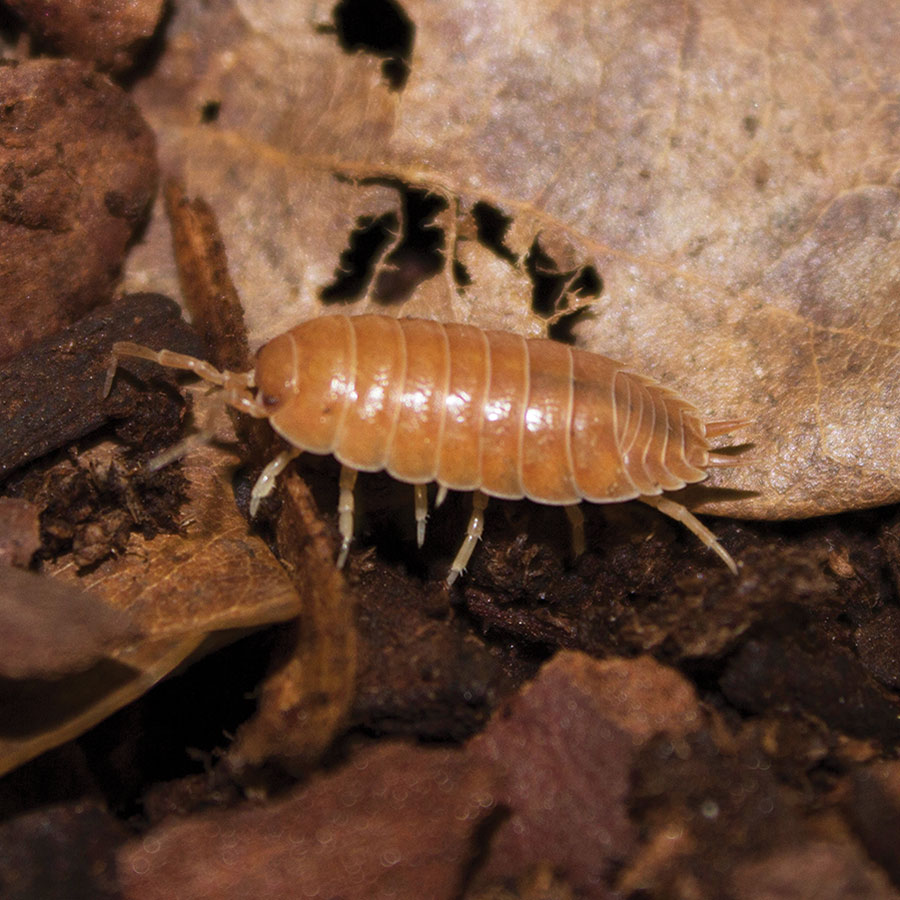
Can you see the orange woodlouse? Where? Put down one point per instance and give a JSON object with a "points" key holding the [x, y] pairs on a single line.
{"points": [[474, 410]]}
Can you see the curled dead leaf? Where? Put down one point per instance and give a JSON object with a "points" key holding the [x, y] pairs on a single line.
{"points": [[48, 629]]}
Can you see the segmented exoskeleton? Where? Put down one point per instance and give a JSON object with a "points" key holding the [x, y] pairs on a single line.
{"points": [[473, 410]]}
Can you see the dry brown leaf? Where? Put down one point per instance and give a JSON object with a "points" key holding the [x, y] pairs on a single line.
{"points": [[170, 591], [727, 172], [48, 629], [37, 715]]}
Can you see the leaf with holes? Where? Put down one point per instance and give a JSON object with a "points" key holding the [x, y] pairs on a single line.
{"points": [[719, 181]]}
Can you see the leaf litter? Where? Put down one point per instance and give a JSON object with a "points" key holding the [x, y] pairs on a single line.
{"points": [[660, 192]]}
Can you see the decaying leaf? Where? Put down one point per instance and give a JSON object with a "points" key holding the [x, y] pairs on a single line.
{"points": [[37, 715], [723, 174], [214, 575], [169, 591]]}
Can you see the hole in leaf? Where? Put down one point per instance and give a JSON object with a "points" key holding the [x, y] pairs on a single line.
{"points": [[553, 289], [549, 283], [357, 263], [491, 227], [380, 27], [586, 283], [563, 329], [419, 254], [461, 274], [209, 111]]}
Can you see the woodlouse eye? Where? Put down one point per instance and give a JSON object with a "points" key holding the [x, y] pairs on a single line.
{"points": [[269, 401]]}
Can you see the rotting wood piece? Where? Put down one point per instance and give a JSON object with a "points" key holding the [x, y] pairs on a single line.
{"points": [[50, 392]]}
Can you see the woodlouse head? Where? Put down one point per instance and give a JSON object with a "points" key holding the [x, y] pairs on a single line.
{"points": [[276, 373]]}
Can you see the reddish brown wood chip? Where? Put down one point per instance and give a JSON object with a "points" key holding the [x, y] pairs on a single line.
{"points": [[567, 743], [396, 822], [78, 173], [108, 33], [19, 531]]}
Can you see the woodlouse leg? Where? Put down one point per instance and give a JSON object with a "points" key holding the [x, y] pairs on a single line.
{"points": [[266, 481], [688, 519], [576, 520], [345, 512], [181, 449], [421, 512], [441, 496], [473, 534]]}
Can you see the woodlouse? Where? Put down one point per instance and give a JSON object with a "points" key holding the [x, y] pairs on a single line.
{"points": [[473, 410]]}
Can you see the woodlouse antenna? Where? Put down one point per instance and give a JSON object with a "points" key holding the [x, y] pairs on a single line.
{"points": [[235, 385]]}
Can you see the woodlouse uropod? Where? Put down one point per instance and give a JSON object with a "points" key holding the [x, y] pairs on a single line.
{"points": [[474, 410]]}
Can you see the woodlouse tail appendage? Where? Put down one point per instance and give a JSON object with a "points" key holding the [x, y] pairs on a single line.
{"points": [[473, 410]]}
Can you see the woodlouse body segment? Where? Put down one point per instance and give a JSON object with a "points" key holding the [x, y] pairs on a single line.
{"points": [[503, 416], [459, 461], [473, 410]]}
